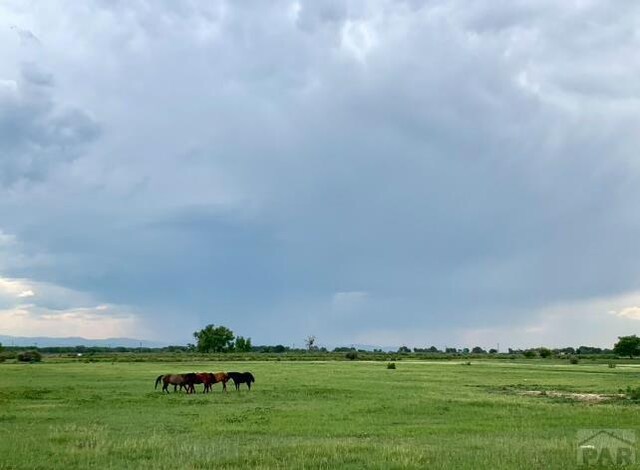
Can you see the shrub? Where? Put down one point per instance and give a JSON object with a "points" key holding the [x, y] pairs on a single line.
{"points": [[29, 356], [7, 355], [574, 360], [391, 365], [529, 354], [612, 365], [351, 355], [633, 393]]}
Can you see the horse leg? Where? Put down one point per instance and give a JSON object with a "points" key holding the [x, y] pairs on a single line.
{"points": [[249, 385]]}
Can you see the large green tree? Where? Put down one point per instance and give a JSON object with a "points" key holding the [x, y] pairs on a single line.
{"points": [[627, 346], [214, 339]]}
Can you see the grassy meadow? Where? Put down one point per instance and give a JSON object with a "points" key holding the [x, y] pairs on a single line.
{"points": [[307, 415]]}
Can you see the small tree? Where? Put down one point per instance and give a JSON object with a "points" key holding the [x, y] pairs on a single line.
{"points": [[243, 344], [627, 346], [404, 349], [544, 352], [478, 350], [310, 342], [529, 354]]}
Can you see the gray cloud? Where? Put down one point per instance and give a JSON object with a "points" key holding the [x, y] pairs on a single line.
{"points": [[464, 166], [36, 134]]}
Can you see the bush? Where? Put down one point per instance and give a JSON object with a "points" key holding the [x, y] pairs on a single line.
{"points": [[391, 365], [7, 355], [29, 356], [612, 365], [529, 354], [633, 393], [351, 355], [574, 360]]}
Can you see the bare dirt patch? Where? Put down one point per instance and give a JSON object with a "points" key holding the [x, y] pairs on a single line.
{"points": [[582, 397]]}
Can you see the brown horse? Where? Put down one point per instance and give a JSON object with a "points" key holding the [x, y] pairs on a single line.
{"points": [[221, 377], [207, 379], [183, 380]]}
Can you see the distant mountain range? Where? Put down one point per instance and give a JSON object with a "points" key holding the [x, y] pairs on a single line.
{"points": [[45, 341], [371, 347]]}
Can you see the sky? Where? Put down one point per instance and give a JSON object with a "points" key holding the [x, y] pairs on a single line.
{"points": [[437, 172]]}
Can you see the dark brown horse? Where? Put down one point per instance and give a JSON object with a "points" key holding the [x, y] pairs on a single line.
{"points": [[186, 381], [241, 378]]}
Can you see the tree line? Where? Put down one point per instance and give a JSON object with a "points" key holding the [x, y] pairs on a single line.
{"points": [[220, 339]]}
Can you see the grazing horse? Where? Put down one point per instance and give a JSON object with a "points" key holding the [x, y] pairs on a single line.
{"points": [[182, 380], [221, 377], [241, 378], [207, 379]]}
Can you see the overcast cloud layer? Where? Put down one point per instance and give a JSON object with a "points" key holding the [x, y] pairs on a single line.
{"points": [[418, 172]]}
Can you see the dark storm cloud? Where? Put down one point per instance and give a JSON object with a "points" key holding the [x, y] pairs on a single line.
{"points": [[344, 168], [36, 133]]}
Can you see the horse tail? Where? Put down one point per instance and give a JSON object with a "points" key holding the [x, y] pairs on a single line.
{"points": [[158, 380]]}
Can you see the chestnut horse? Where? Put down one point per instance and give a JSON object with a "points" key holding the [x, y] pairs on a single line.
{"points": [[208, 379]]}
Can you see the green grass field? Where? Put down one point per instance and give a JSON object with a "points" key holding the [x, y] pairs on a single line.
{"points": [[306, 415]]}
